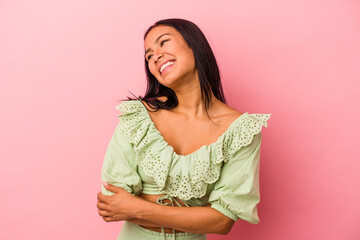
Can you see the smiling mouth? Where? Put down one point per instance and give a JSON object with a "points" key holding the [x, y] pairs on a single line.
{"points": [[167, 67]]}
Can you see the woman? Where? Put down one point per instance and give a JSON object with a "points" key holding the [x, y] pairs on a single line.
{"points": [[181, 163]]}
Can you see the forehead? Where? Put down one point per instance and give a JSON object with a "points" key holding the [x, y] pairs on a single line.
{"points": [[157, 31]]}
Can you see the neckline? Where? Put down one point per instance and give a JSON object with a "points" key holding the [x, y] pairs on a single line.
{"points": [[199, 149]]}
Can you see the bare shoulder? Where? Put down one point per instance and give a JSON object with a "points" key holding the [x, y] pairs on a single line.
{"points": [[221, 113], [226, 113]]}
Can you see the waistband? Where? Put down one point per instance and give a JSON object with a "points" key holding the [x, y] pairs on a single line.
{"points": [[144, 233]]}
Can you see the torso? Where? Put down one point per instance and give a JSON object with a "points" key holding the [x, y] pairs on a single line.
{"points": [[188, 136]]}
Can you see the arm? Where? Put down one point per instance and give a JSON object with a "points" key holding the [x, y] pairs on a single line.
{"points": [[236, 193], [124, 206], [187, 219], [235, 196], [118, 166]]}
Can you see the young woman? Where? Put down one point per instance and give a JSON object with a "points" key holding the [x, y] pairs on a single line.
{"points": [[181, 162]]}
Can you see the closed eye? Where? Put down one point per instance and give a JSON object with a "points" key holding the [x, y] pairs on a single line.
{"points": [[163, 41]]}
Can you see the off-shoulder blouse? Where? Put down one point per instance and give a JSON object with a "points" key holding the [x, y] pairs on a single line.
{"points": [[224, 173]]}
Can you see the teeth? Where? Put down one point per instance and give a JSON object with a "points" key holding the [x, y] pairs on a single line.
{"points": [[165, 65]]}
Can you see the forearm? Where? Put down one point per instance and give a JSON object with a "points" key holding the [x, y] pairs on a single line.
{"points": [[187, 219], [143, 222]]}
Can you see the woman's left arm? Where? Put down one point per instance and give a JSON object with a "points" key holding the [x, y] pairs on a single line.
{"points": [[125, 206]]}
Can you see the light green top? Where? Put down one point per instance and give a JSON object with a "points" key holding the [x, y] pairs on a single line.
{"points": [[224, 173]]}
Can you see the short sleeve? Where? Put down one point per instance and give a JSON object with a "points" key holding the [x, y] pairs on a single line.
{"points": [[119, 168], [236, 193]]}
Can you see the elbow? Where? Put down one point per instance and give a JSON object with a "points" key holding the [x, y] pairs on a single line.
{"points": [[223, 223], [226, 226]]}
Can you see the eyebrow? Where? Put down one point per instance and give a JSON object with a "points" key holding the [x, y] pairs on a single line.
{"points": [[157, 39]]}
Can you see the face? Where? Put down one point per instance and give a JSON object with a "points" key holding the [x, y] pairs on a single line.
{"points": [[168, 56]]}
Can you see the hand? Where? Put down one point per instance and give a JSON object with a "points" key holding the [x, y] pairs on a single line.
{"points": [[120, 206]]}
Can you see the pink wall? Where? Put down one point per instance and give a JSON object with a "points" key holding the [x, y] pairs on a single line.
{"points": [[65, 64]]}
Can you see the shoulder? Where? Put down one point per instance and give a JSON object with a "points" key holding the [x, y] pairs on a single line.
{"points": [[158, 116], [224, 114]]}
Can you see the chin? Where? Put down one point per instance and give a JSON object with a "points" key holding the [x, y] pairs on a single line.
{"points": [[168, 81], [168, 84]]}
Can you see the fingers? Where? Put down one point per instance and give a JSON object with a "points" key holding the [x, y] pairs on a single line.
{"points": [[103, 209], [108, 219], [103, 213], [102, 198], [113, 188], [102, 206]]}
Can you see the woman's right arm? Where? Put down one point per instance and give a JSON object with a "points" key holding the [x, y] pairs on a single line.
{"points": [[119, 168]]}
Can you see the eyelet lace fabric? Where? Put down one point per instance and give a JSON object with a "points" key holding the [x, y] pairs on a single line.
{"points": [[183, 176]]}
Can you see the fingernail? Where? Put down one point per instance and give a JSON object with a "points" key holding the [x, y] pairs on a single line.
{"points": [[105, 183]]}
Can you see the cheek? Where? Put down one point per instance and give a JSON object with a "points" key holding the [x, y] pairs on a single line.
{"points": [[152, 69], [190, 60]]}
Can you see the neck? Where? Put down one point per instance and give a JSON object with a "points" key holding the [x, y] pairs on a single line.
{"points": [[190, 102]]}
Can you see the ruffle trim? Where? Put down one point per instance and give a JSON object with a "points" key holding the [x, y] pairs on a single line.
{"points": [[206, 162]]}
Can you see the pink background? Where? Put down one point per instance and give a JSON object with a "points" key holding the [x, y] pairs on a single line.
{"points": [[65, 64]]}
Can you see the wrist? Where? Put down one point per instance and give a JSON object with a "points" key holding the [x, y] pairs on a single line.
{"points": [[142, 208]]}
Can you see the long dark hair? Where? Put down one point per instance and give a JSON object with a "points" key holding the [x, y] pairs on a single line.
{"points": [[205, 63]]}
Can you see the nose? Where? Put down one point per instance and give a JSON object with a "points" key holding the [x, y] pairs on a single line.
{"points": [[158, 55]]}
